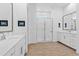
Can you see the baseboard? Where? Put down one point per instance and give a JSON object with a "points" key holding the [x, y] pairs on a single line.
{"points": [[66, 45], [40, 43]]}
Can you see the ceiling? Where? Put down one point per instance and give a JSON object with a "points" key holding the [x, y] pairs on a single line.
{"points": [[53, 4]]}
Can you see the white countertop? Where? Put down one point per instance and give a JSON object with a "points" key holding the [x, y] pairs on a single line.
{"points": [[72, 32], [7, 44]]}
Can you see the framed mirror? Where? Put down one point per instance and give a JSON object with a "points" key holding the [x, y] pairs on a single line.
{"points": [[6, 17], [69, 21]]}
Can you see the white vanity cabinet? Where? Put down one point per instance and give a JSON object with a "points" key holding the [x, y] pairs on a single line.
{"points": [[17, 48], [11, 52], [65, 38], [68, 38]]}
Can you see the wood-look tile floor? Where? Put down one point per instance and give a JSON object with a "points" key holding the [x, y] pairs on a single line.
{"points": [[50, 49]]}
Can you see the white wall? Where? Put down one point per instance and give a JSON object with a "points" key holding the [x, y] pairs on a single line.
{"points": [[31, 9], [44, 20], [77, 22], [56, 15], [19, 13]]}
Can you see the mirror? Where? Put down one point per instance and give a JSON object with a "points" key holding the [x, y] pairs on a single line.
{"points": [[6, 17], [69, 21]]}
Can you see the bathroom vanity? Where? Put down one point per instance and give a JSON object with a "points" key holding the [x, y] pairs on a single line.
{"points": [[69, 38], [13, 46]]}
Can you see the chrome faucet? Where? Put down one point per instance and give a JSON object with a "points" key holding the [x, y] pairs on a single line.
{"points": [[3, 37]]}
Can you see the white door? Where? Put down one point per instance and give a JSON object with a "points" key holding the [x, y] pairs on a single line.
{"points": [[40, 30], [48, 29], [44, 26]]}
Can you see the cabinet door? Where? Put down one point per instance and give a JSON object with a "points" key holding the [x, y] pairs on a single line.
{"points": [[60, 36], [63, 37], [23, 46], [67, 39], [20, 48], [73, 40], [17, 49], [11, 52]]}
